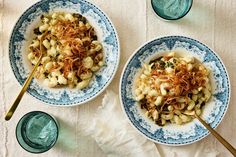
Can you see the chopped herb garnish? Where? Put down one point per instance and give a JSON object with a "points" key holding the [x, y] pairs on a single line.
{"points": [[162, 64], [36, 31], [190, 95], [169, 64], [94, 37], [46, 74], [41, 17], [77, 15], [174, 60], [84, 20]]}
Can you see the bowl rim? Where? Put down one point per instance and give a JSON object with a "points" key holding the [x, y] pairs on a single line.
{"points": [[65, 104], [121, 79]]}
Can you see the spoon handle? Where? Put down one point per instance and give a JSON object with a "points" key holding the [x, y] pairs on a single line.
{"points": [[218, 136], [20, 95]]}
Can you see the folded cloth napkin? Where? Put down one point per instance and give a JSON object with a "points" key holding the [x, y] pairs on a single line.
{"points": [[116, 137]]}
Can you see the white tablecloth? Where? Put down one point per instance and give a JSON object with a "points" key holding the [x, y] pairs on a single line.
{"points": [[211, 21]]}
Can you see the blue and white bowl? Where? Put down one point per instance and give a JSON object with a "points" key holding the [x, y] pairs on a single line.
{"points": [[213, 111], [22, 36]]}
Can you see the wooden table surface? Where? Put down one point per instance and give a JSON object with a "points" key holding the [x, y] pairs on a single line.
{"points": [[212, 22]]}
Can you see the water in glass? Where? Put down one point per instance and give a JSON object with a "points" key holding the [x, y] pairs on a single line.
{"points": [[39, 130], [171, 9]]}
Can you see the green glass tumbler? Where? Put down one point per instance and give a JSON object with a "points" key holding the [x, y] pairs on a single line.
{"points": [[37, 132], [171, 9]]}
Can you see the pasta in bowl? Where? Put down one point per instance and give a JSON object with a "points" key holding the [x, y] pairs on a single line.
{"points": [[172, 88], [72, 52], [169, 79]]}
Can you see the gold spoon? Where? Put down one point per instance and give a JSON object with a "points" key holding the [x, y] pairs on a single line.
{"points": [[25, 86], [217, 136]]}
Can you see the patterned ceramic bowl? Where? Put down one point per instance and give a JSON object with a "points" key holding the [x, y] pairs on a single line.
{"points": [[213, 111], [22, 35]]}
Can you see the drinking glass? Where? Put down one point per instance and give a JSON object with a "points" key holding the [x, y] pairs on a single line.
{"points": [[171, 9], [37, 132]]}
